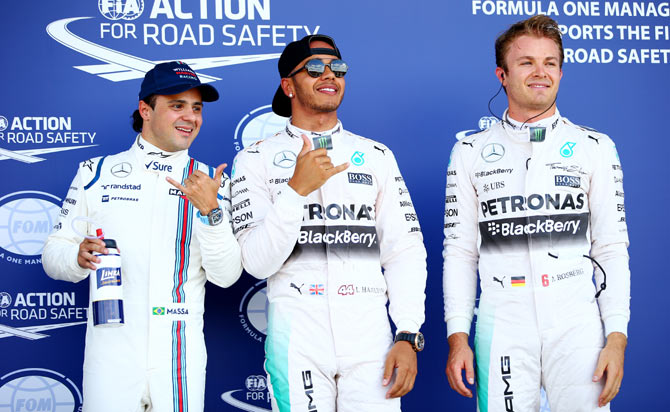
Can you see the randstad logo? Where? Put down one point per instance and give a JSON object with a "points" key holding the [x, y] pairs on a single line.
{"points": [[121, 9]]}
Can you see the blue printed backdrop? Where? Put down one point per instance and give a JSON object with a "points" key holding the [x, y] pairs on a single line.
{"points": [[421, 74]]}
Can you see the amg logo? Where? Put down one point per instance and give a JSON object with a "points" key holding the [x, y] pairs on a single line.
{"points": [[360, 178], [241, 205], [337, 212], [570, 181], [406, 203], [176, 192], [309, 389], [506, 371]]}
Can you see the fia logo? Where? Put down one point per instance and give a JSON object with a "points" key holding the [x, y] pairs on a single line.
{"points": [[121, 9]]}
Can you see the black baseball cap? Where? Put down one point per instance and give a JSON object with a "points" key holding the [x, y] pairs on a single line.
{"points": [[174, 78], [293, 54]]}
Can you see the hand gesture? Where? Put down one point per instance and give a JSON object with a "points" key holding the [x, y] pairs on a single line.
{"points": [[610, 363], [460, 357], [200, 189], [401, 358], [86, 258], [312, 169]]}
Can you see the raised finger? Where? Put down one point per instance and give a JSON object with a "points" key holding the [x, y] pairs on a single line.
{"points": [[176, 184], [338, 169]]}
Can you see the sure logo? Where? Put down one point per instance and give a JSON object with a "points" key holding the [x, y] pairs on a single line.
{"points": [[158, 167]]}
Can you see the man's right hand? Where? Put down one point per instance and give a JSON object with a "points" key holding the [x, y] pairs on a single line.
{"points": [[85, 258], [312, 169], [460, 357]]}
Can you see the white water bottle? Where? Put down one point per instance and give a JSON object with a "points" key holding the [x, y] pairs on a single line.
{"points": [[106, 287]]}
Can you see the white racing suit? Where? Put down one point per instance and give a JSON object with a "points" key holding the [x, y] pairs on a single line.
{"points": [[525, 214], [157, 358], [323, 254]]}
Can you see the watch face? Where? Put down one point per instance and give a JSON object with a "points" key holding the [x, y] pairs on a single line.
{"points": [[215, 216], [420, 342]]}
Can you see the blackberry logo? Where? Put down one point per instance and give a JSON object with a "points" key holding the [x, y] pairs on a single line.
{"points": [[494, 228]]}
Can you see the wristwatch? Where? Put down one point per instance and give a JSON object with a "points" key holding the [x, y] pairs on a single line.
{"points": [[415, 339], [215, 216]]}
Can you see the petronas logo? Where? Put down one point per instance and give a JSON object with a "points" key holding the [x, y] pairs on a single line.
{"points": [[357, 158], [537, 134], [566, 149]]}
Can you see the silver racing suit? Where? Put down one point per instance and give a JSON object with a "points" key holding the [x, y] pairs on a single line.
{"points": [[529, 206], [323, 254]]}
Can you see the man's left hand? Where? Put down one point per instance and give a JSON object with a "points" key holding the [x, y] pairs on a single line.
{"points": [[610, 363], [403, 358], [201, 189]]}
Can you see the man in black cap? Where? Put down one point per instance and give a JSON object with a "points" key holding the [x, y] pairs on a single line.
{"points": [[169, 215], [321, 234]]}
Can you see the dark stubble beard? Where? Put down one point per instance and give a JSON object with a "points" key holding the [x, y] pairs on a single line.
{"points": [[309, 101]]}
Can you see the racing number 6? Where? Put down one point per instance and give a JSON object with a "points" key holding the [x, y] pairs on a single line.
{"points": [[545, 280]]}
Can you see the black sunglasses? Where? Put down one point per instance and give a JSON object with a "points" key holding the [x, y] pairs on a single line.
{"points": [[316, 67]]}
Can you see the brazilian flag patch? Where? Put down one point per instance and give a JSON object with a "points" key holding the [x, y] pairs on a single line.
{"points": [[159, 310]]}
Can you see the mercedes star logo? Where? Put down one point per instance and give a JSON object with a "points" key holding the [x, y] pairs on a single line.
{"points": [[285, 159], [493, 152], [122, 169]]}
